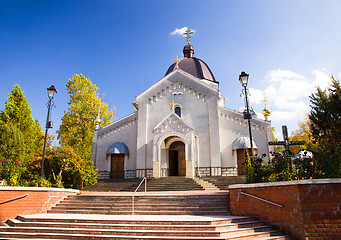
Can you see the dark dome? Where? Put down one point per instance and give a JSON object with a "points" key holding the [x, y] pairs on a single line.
{"points": [[192, 65]]}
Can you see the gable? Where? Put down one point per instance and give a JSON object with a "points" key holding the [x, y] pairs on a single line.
{"points": [[177, 80], [174, 122]]}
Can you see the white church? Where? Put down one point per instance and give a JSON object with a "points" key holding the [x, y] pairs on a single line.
{"points": [[181, 127]]}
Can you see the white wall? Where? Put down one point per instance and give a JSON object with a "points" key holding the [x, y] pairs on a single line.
{"points": [[123, 130]]}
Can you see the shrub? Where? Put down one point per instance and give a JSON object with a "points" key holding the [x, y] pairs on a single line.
{"points": [[73, 170]]}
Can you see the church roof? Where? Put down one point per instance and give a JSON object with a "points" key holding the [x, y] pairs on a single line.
{"points": [[243, 142], [192, 65], [118, 148]]}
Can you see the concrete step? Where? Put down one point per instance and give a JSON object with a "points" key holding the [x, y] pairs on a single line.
{"points": [[54, 226], [205, 184], [150, 220], [182, 204], [141, 206], [151, 226], [143, 212], [153, 184], [223, 182]]}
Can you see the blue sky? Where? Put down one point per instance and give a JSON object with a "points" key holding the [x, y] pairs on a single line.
{"points": [[288, 47]]}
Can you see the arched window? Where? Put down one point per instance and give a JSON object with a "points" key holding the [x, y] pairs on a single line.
{"points": [[178, 111]]}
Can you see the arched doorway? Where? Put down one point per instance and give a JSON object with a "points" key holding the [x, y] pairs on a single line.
{"points": [[176, 156], [118, 154]]}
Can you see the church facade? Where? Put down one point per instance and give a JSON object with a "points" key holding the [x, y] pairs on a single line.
{"points": [[180, 128]]}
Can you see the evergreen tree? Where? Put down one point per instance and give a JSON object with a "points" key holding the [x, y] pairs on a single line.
{"points": [[77, 125], [18, 113], [325, 126], [21, 137], [325, 115]]}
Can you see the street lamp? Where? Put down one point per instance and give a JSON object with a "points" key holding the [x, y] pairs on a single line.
{"points": [[243, 78], [51, 92]]}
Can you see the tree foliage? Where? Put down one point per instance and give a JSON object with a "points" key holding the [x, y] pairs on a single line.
{"points": [[303, 134], [68, 169], [325, 126], [76, 131], [21, 138], [77, 125], [325, 115], [18, 113]]}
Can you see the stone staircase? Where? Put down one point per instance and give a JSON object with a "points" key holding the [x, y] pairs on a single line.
{"points": [[177, 183], [172, 184], [83, 226], [205, 184], [168, 215], [155, 204], [222, 182]]}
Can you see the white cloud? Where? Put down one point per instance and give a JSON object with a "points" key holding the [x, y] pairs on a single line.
{"points": [[288, 94], [283, 115], [322, 79], [257, 96], [280, 75], [180, 31]]}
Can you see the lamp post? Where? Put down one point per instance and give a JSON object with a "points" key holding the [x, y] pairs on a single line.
{"points": [[51, 92], [243, 78]]}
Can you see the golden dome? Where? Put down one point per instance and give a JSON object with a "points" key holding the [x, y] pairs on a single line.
{"points": [[266, 111], [98, 120]]}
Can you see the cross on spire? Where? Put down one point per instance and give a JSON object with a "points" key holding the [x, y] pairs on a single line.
{"points": [[188, 32]]}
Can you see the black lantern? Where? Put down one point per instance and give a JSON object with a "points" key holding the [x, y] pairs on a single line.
{"points": [[51, 92], [243, 78]]}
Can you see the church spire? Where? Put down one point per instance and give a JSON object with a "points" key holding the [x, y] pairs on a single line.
{"points": [[266, 112], [188, 49], [188, 32]]}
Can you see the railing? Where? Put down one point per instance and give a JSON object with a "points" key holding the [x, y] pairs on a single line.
{"points": [[145, 190], [13, 199], [276, 204]]}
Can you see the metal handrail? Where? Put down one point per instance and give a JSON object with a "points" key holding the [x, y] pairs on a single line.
{"points": [[12, 199], [145, 190], [276, 204]]}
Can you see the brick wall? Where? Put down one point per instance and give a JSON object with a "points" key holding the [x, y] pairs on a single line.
{"points": [[37, 200], [311, 208]]}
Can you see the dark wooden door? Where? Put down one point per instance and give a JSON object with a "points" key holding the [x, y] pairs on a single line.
{"points": [[173, 163], [181, 162], [240, 161], [177, 161], [117, 166]]}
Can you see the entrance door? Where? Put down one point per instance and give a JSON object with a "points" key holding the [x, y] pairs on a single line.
{"points": [[177, 162], [241, 156], [240, 161], [117, 165], [173, 163]]}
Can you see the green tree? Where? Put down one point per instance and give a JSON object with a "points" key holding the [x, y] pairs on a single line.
{"points": [[325, 115], [18, 113], [21, 138], [325, 126], [11, 152], [77, 125]]}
